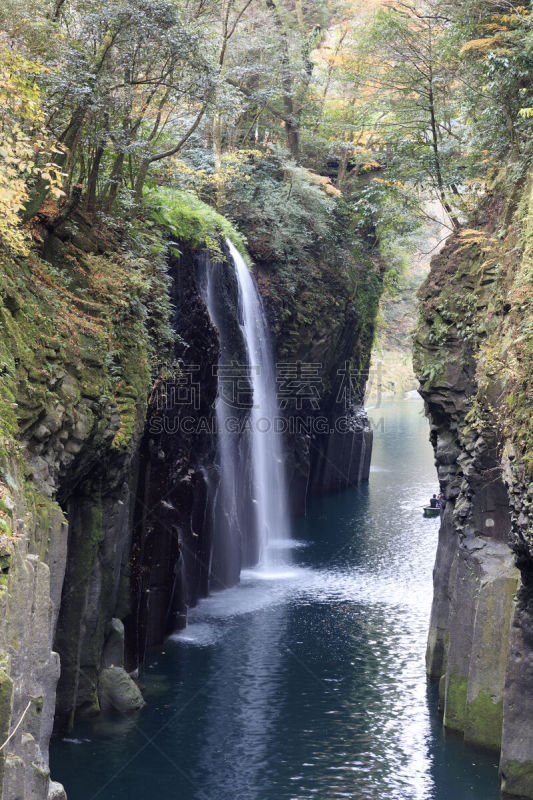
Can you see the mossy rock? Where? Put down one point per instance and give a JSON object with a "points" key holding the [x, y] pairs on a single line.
{"points": [[6, 707], [517, 779], [118, 691], [484, 718], [455, 704]]}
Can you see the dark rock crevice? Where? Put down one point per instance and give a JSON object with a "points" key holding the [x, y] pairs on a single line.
{"points": [[172, 541]]}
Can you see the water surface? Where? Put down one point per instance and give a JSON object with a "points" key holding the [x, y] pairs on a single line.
{"points": [[307, 682]]}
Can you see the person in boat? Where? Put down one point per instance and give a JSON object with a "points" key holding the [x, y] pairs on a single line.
{"points": [[434, 502]]}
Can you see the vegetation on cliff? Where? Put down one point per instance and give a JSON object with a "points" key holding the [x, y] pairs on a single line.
{"points": [[313, 135]]}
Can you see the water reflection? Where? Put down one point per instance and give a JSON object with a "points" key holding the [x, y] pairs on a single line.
{"points": [[309, 684], [250, 698]]}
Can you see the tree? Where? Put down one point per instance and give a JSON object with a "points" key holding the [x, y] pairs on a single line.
{"points": [[275, 72], [412, 81], [127, 85], [26, 153], [494, 40]]}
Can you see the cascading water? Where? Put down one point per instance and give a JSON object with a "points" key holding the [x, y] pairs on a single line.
{"points": [[250, 509], [268, 473]]}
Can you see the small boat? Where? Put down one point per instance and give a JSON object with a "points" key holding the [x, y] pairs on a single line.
{"points": [[431, 512]]}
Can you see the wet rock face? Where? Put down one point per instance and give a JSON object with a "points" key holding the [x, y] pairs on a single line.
{"points": [[323, 339], [517, 742], [172, 533], [69, 433], [30, 588], [99, 547], [475, 580], [480, 644]]}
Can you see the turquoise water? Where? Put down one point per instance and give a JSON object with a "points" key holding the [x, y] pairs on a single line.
{"points": [[307, 683]]}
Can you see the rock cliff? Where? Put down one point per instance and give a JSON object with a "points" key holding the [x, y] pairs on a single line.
{"points": [[74, 356], [105, 531], [473, 355], [323, 321]]}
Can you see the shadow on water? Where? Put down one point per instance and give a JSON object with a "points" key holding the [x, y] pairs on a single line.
{"points": [[307, 683]]}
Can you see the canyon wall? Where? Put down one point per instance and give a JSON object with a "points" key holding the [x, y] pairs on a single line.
{"points": [[106, 536], [473, 357]]}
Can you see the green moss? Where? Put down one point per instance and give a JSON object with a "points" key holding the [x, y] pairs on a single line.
{"points": [[484, 719], [442, 680], [517, 778], [42, 508], [191, 221], [6, 697], [95, 320], [455, 704], [6, 504], [88, 710], [6, 704], [41, 772]]}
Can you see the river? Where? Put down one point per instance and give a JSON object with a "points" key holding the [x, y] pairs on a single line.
{"points": [[307, 683]]}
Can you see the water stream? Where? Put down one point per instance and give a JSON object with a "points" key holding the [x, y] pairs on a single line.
{"points": [[268, 473], [250, 509], [310, 685]]}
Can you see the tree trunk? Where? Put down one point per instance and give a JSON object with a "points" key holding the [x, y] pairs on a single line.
{"points": [[141, 177], [343, 167], [68, 139], [292, 129], [292, 120], [217, 157], [115, 179], [92, 181], [436, 159], [68, 209]]}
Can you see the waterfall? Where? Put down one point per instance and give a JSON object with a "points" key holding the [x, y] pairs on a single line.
{"points": [[268, 473], [249, 509]]}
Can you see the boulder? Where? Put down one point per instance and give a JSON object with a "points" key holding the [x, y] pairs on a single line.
{"points": [[56, 791], [118, 691]]}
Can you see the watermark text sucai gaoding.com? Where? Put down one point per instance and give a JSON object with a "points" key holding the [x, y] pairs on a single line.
{"points": [[293, 425]]}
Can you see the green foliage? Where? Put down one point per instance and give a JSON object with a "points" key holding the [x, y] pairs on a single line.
{"points": [[191, 220], [25, 154], [121, 83], [432, 91], [495, 70], [312, 254], [279, 202]]}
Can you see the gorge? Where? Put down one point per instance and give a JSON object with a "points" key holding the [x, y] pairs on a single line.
{"points": [[215, 571]]}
